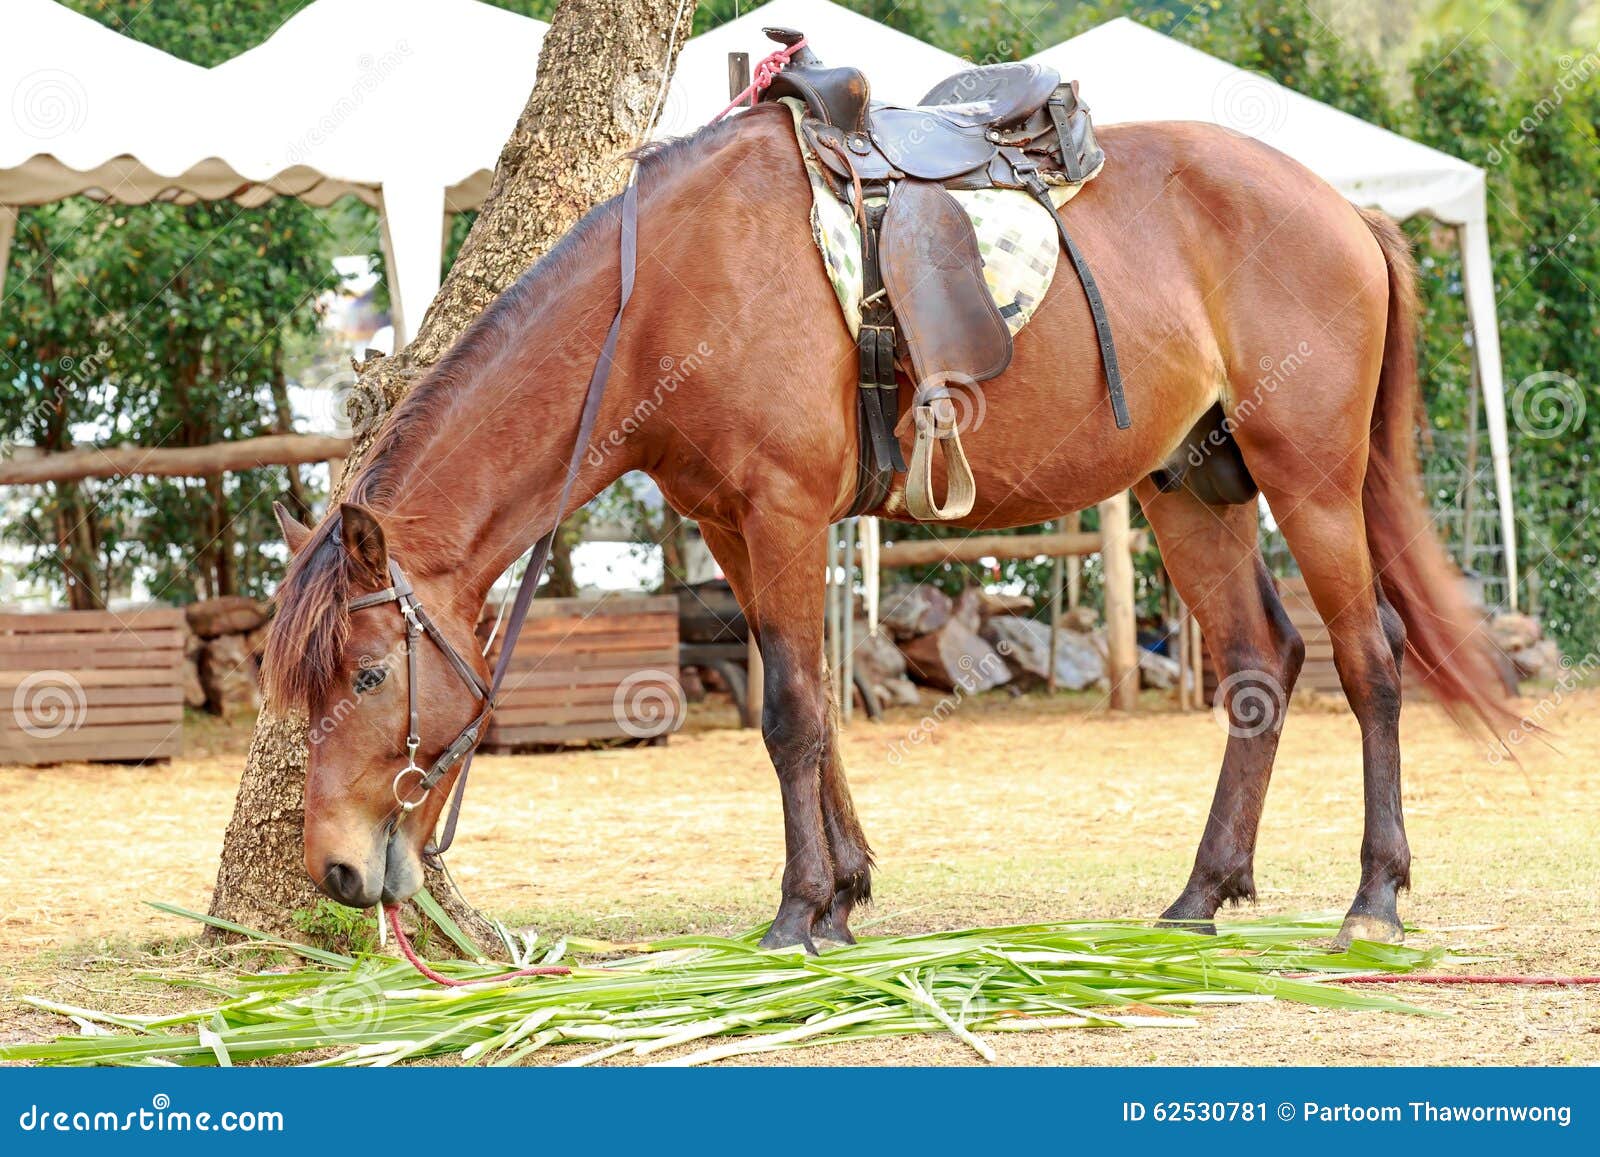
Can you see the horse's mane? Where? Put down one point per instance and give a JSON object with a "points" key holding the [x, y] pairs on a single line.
{"points": [[312, 623]]}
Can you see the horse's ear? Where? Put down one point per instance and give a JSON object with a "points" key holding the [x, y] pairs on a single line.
{"points": [[363, 540], [295, 532]]}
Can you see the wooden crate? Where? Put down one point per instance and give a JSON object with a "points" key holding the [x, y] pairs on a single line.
{"points": [[592, 668], [1318, 673], [91, 685]]}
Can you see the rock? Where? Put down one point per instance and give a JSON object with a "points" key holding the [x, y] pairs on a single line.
{"points": [[1512, 632], [1025, 643], [1542, 660], [879, 663], [194, 695], [1157, 671], [908, 611], [993, 604], [256, 642], [228, 675], [955, 657], [1081, 618], [969, 608], [229, 615], [901, 692]]}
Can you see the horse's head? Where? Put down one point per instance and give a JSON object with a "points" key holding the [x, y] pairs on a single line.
{"points": [[389, 675]]}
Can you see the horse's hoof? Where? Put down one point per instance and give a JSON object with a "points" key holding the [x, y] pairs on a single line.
{"points": [[1364, 927], [780, 940], [836, 934], [1188, 917]]}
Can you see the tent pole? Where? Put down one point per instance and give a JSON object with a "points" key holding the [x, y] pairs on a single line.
{"points": [[413, 253], [1477, 271]]}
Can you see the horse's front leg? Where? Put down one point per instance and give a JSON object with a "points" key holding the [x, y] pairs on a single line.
{"points": [[793, 632]]}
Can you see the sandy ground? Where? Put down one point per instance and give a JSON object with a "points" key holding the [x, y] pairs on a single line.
{"points": [[1009, 810]]}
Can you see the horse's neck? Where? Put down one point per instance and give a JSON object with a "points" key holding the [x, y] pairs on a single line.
{"points": [[481, 483]]}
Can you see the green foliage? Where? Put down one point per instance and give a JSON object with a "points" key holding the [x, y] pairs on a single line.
{"points": [[336, 928]]}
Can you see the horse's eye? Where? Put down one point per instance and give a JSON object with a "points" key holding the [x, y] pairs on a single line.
{"points": [[368, 678]]}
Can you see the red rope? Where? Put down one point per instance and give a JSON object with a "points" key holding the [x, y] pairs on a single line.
{"points": [[766, 69], [1464, 978], [410, 953]]}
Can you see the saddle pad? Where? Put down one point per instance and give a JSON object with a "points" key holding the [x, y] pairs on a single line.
{"points": [[1016, 239]]}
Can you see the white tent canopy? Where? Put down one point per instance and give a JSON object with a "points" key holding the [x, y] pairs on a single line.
{"points": [[901, 67], [1130, 73], [406, 104], [403, 103]]}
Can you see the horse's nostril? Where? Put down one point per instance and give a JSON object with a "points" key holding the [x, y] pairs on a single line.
{"points": [[344, 884]]}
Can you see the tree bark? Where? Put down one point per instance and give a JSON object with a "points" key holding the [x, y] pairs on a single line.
{"points": [[602, 63]]}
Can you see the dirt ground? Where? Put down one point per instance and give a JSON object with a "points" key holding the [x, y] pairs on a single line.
{"points": [[1009, 810]]}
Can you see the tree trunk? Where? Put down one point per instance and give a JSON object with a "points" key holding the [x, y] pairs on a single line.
{"points": [[602, 63]]}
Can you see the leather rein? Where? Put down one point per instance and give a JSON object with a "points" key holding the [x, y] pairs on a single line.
{"points": [[409, 796]]}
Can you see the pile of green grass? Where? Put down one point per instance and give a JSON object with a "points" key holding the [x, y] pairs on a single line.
{"points": [[699, 999]]}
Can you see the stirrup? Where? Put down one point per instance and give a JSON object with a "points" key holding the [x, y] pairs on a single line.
{"points": [[936, 423]]}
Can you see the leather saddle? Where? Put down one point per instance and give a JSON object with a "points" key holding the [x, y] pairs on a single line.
{"points": [[995, 126]]}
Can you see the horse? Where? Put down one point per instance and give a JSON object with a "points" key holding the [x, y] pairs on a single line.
{"points": [[1234, 277]]}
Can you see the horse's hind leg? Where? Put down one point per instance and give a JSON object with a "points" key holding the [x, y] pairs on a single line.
{"points": [[1212, 556], [1328, 537], [828, 869]]}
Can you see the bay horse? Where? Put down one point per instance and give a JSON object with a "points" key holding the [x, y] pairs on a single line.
{"points": [[1233, 276]]}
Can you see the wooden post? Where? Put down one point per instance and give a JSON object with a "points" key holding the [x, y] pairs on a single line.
{"points": [[831, 625], [847, 623], [1197, 660], [738, 73], [1074, 564], [1116, 560], [754, 682], [1057, 571]]}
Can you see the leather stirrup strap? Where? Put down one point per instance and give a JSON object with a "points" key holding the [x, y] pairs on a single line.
{"points": [[1028, 171], [936, 423], [580, 447]]}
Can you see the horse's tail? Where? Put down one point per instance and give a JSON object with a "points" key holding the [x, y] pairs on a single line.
{"points": [[1444, 637]]}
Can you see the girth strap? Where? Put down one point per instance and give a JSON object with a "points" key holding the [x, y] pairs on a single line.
{"points": [[629, 259]]}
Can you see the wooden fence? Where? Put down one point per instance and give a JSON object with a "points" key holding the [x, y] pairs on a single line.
{"points": [[592, 668], [91, 685]]}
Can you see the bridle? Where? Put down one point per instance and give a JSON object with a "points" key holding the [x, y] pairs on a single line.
{"points": [[418, 624], [401, 592]]}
